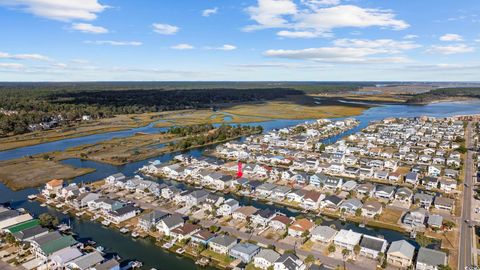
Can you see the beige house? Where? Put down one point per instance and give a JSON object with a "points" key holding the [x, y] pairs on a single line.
{"points": [[400, 254]]}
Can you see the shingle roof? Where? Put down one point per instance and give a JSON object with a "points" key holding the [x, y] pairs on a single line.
{"points": [[431, 257], [224, 240], [246, 248], [402, 247], [372, 243], [268, 254], [88, 260]]}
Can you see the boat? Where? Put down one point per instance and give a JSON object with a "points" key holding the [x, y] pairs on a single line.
{"points": [[32, 197], [79, 214], [180, 250], [106, 223], [135, 234], [100, 249], [43, 205], [91, 242], [124, 230], [167, 245], [63, 227], [137, 264]]}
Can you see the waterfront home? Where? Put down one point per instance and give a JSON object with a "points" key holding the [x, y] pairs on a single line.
{"points": [[317, 180], [382, 175], [25, 234], [350, 206], [366, 189], [280, 222], [411, 178], [443, 203], [222, 244], [87, 261], [263, 217], [202, 237], [196, 197], [312, 199], [454, 162], [47, 248], [384, 192], [331, 202], [37, 242], [416, 218], [114, 178], [404, 195], [371, 208], [70, 191], [372, 247], [435, 221], [60, 258], [185, 231], [423, 200], [228, 207], [296, 195], [347, 239], [266, 189], [170, 192], [83, 199], [448, 185], [323, 234], [122, 214], [400, 254], [280, 192], [265, 258], [300, 227], [53, 188], [167, 224], [244, 251], [104, 205], [10, 218], [111, 264], [244, 213], [213, 199], [289, 261], [430, 259], [149, 220], [223, 182], [352, 171]]}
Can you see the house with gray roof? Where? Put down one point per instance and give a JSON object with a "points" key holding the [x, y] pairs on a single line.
{"points": [[222, 243], [371, 247], [147, 220], [60, 258], [265, 258], [323, 234], [87, 261], [166, 225], [288, 261], [423, 200], [384, 192], [435, 221], [430, 259], [351, 205], [244, 251], [400, 254]]}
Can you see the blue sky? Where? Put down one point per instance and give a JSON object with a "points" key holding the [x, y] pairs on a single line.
{"points": [[202, 40]]}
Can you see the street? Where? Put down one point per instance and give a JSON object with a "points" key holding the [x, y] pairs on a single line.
{"points": [[466, 233]]}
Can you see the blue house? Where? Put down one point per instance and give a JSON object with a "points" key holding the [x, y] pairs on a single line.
{"points": [[202, 237]]}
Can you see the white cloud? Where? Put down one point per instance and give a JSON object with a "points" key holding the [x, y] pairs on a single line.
{"points": [[89, 28], [451, 49], [11, 66], [443, 67], [165, 29], [391, 46], [300, 34], [316, 21], [113, 42], [451, 37], [25, 56], [209, 11], [410, 37], [62, 10], [183, 46], [318, 3], [337, 54], [225, 47]]}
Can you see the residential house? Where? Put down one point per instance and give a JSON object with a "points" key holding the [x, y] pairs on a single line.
{"points": [[384, 192], [311, 200], [416, 218], [222, 244], [430, 259], [371, 209], [347, 239], [202, 237], [323, 234], [300, 227], [185, 231], [372, 247], [263, 217], [400, 254], [244, 251], [289, 261], [280, 222], [122, 214], [53, 188], [423, 200], [412, 178], [87, 261], [331, 202], [244, 213], [350, 206], [166, 225], [265, 258], [228, 207], [366, 189], [443, 203], [149, 220]]}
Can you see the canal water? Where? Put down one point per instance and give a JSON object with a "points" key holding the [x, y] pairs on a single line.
{"points": [[145, 250]]}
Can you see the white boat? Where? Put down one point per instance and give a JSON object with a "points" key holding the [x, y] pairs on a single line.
{"points": [[106, 223], [63, 227], [180, 250], [100, 249], [137, 264], [135, 234], [124, 230], [167, 245], [43, 205], [32, 197]]}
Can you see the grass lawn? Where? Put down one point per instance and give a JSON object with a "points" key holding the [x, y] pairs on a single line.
{"points": [[390, 215], [223, 259]]}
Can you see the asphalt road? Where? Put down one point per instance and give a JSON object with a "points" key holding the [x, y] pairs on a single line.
{"points": [[466, 233]]}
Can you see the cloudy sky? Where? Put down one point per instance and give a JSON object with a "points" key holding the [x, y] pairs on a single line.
{"points": [[319, 40]]}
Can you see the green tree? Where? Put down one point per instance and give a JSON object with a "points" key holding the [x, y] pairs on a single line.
{"points": [[332, 248], [309, 259], [48, 221], [423, 240]]}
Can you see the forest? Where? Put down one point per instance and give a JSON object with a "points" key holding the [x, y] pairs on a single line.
{"points": [[443, 93]]}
